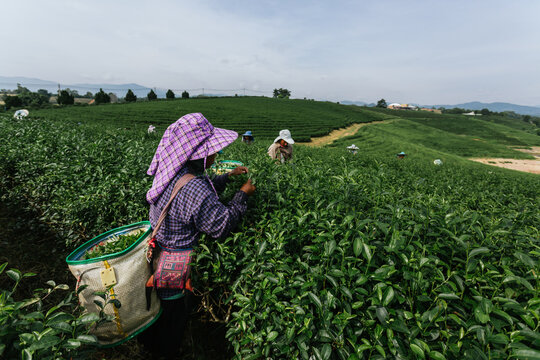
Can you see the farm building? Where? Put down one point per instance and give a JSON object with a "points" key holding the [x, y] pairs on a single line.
{"points": [[437, 111], [397, 106]]}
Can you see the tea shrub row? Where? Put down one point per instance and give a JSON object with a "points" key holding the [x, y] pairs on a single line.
{"points": [[338, 257], [264, 116]]}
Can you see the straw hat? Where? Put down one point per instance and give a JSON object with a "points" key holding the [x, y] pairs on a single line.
{"points": [[285, 135], [191, 137]]}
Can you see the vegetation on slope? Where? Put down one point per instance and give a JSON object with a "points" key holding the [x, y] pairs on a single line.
{"points": [[264, 116], [339, 256]]}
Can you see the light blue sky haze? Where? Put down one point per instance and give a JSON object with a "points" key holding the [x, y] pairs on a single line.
{"points": [[426, 52]]}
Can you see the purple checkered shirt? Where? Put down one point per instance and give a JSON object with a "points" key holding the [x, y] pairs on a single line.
{"points": [[196, 209]]}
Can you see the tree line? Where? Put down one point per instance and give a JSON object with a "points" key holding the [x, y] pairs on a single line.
{"points": [[23, 97]]}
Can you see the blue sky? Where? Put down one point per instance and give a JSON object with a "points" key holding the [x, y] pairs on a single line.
{"points": [[426, 52]]}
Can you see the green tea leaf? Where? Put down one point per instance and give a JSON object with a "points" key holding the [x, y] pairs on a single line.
{"points": [[478, 251], [526, 354], [388, 296], [272, 336], [357, 246], [315, 299], [14, 274], [448, 296], [417, 350]]}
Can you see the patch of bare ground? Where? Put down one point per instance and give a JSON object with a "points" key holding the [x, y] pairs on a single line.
{"points": [[530, 166], [339, 133]]}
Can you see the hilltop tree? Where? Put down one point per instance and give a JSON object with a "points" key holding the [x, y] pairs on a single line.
{"points": [[44, 92], [28, 98], [73, 93], [101, 97], [485, 112], [281, 93], [130, 96], [12, 101], [21, 89], [185, 95], [381, 103], [151, 95], [169, 94], [65, 98]]}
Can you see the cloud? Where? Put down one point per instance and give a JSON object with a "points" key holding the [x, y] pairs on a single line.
{"points": [[424, 51]]}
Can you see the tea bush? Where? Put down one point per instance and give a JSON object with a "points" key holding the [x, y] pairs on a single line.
{"points": [[264, 116], [338, 257], [29, 330]]}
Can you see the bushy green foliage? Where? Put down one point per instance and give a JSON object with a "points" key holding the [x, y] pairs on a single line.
{"points": [[11, 101], [26, 98], [264, 116], [65, 98], [130, 96], [114, 245], [169, 94], [151, 95], [28, 330], [381, 103], [338, 257], [101, 97], [281, 93], [185, 95]]}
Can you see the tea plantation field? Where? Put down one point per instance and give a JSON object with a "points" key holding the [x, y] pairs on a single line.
{"points": [[339, 256], [261, 115]]}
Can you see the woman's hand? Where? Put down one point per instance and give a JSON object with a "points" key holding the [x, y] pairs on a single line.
{"points": [[239, 170], [248, 187]]}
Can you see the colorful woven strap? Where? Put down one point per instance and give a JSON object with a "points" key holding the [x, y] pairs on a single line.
{"points": [[179, 184]]}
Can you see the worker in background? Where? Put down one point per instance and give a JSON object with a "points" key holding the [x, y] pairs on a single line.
{"points": [[248, 138], [281, 149], [353, 149], [401, 155]]}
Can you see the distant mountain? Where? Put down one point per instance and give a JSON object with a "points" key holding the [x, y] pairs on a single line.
{"points": [[358, 103], [33, 84], [496, 106]]}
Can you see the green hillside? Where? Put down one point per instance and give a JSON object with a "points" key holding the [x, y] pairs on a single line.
{"points": [[338, 256], [415, 131], [264, 116], [440, 135]]}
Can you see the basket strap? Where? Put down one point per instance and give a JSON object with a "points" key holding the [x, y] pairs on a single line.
{"points": [[179, 184]]}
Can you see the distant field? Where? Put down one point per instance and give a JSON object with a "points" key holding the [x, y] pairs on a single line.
{"points": [[264, 116], [413, 132], [339, 256], [440, 135], [351, 256]]}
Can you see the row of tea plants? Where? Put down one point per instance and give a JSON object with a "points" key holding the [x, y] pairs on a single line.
{"points": [[32, 328], [338, 257]]}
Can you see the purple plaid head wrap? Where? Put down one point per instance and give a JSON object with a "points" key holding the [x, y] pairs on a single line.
{"points": [[191, 137]]}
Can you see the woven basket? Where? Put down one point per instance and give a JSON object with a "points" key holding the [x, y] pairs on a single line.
{"points": [[130, 271], [225, 166]]}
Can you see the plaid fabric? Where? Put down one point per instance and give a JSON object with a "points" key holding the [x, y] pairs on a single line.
{"points": [[196, 209], [191, 137]]}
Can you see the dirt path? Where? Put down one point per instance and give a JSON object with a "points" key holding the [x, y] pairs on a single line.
{"points": [[531, 166], [339, 133]]}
